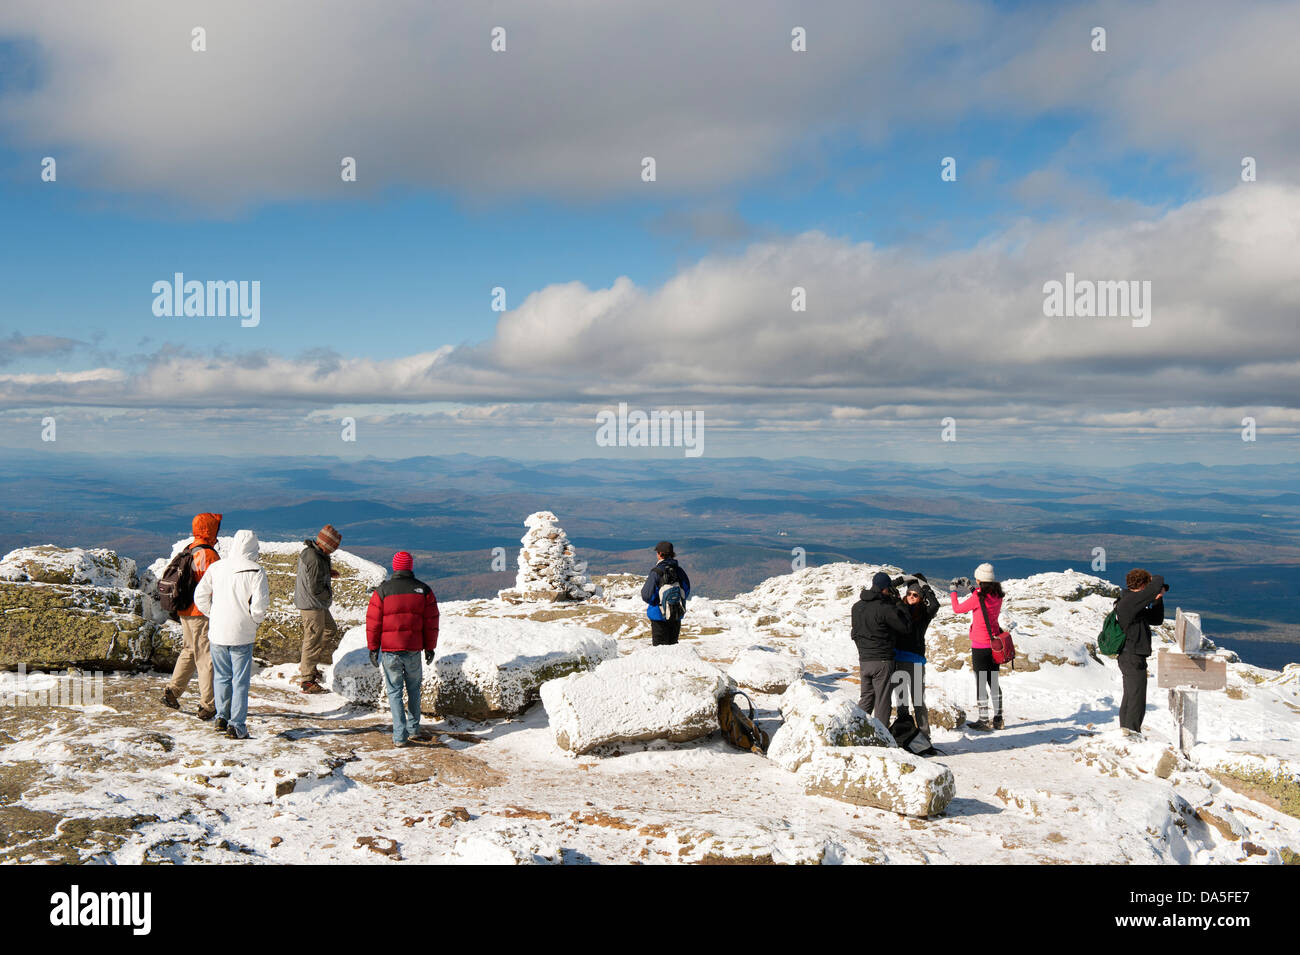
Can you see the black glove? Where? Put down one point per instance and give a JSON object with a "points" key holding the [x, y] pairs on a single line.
{"points": [[428, 656], [374, 658], [898, 580], [922, 578]]}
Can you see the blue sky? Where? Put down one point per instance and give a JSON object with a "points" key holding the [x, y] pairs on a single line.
{"points": [[774, 169]]}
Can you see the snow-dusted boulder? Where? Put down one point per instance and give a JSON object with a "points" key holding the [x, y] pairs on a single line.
{"points": [[664, 693], [889, 779], [548, 566], [48, 564], [766, 669], [485, 667], [943, 712], [815, 720], [1067, 585]]}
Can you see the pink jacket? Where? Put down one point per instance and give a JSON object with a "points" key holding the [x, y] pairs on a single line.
{"points": [[979, 635]]}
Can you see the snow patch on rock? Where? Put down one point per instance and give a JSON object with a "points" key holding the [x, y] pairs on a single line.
{"points": [[47, 564], [765, 669], [815, 720], [655, 693], [889, 779]]}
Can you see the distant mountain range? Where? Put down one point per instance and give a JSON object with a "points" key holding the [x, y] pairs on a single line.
{"points": [[1227, 537]]}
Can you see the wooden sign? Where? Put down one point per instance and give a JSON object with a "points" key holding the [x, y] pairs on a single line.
{"points": [[1190, 671]]}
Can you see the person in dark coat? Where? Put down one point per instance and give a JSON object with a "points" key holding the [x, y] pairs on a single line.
{"points": [[1139, 608], [663, 632], [909, 654], [402, 623], [879, 622]]}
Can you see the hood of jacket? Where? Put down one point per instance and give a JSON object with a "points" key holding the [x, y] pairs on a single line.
{"points": [[245, 546], [205, 528], [869, 594]]}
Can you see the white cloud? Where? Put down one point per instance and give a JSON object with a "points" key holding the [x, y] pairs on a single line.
{"points": [[887, 334]]}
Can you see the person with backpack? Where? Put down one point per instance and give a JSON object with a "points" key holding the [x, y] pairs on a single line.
{"points": [[235, 594], [1139, 608], [985, 602], [879, 622], [402, 622], [908, 675], [666, 590], [312, 595], [176, 594]]}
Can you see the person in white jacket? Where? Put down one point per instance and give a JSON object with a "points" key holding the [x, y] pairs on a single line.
{"points": [[235, 600]]}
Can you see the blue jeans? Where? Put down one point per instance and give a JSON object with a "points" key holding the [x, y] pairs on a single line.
{"points": [[232, 668], [402, 668]]}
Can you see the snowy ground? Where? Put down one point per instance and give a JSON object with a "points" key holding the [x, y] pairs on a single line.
{"points": [[131, 781]]}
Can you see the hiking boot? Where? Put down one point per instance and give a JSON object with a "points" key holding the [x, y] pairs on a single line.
{"points": [[423, 736], [997, 722], [980, 726], [169, 700], [311, 686], [233, 733], [220, 725], [206, 714], [401, 744]]}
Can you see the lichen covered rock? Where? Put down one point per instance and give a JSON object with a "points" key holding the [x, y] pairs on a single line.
{"points": [[654, 693], [815, 720], [484, 668], [48, 564], [889, 779]]}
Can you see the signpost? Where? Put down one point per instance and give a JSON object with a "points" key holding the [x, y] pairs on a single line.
{"points": [[1185, 671]]}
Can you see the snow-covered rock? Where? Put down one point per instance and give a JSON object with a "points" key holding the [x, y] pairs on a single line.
{"points": [[518, 844], [889, 779], [484, 667], [765, 669], [815, 720], [548, 566], [666, 693], [48, 564]]}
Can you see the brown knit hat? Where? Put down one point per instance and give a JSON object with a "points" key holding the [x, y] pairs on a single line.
{"points": [[328, 539]]}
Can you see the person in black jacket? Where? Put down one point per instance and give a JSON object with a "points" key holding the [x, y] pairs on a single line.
{"points": [[879, 621], [1139, 608], [909, 654], [664, 631]]}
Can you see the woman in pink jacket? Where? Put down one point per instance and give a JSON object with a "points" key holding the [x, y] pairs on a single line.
{"points": [[981, 647]]}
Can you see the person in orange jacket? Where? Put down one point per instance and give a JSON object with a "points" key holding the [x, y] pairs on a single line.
{"points": [[196, 655]]}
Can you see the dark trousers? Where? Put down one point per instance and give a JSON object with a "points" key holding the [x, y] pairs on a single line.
{"points": [[1133, 708], [664, 632], [874, 696], [986, 682], [909, 693]]}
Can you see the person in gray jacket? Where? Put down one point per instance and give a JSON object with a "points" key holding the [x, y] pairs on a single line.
{"points": [[312, 595]]}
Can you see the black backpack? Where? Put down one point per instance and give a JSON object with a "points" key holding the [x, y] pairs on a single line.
{"points": [[672, 598], [738, 727], [177, 584]]}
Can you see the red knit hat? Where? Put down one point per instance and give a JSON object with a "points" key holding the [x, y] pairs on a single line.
{"points": [[328, 539], [403, 561]]}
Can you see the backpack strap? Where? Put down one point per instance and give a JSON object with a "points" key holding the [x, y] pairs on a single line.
{"points": [[979, 595]]}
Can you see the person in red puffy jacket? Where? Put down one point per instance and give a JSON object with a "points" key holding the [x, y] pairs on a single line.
{"points": [[402, 622]]}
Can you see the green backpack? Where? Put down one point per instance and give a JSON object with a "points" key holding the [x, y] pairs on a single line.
{"points": [[1111, 639]]}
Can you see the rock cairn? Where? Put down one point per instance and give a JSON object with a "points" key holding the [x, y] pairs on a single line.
{"points": [[548, 566]]}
